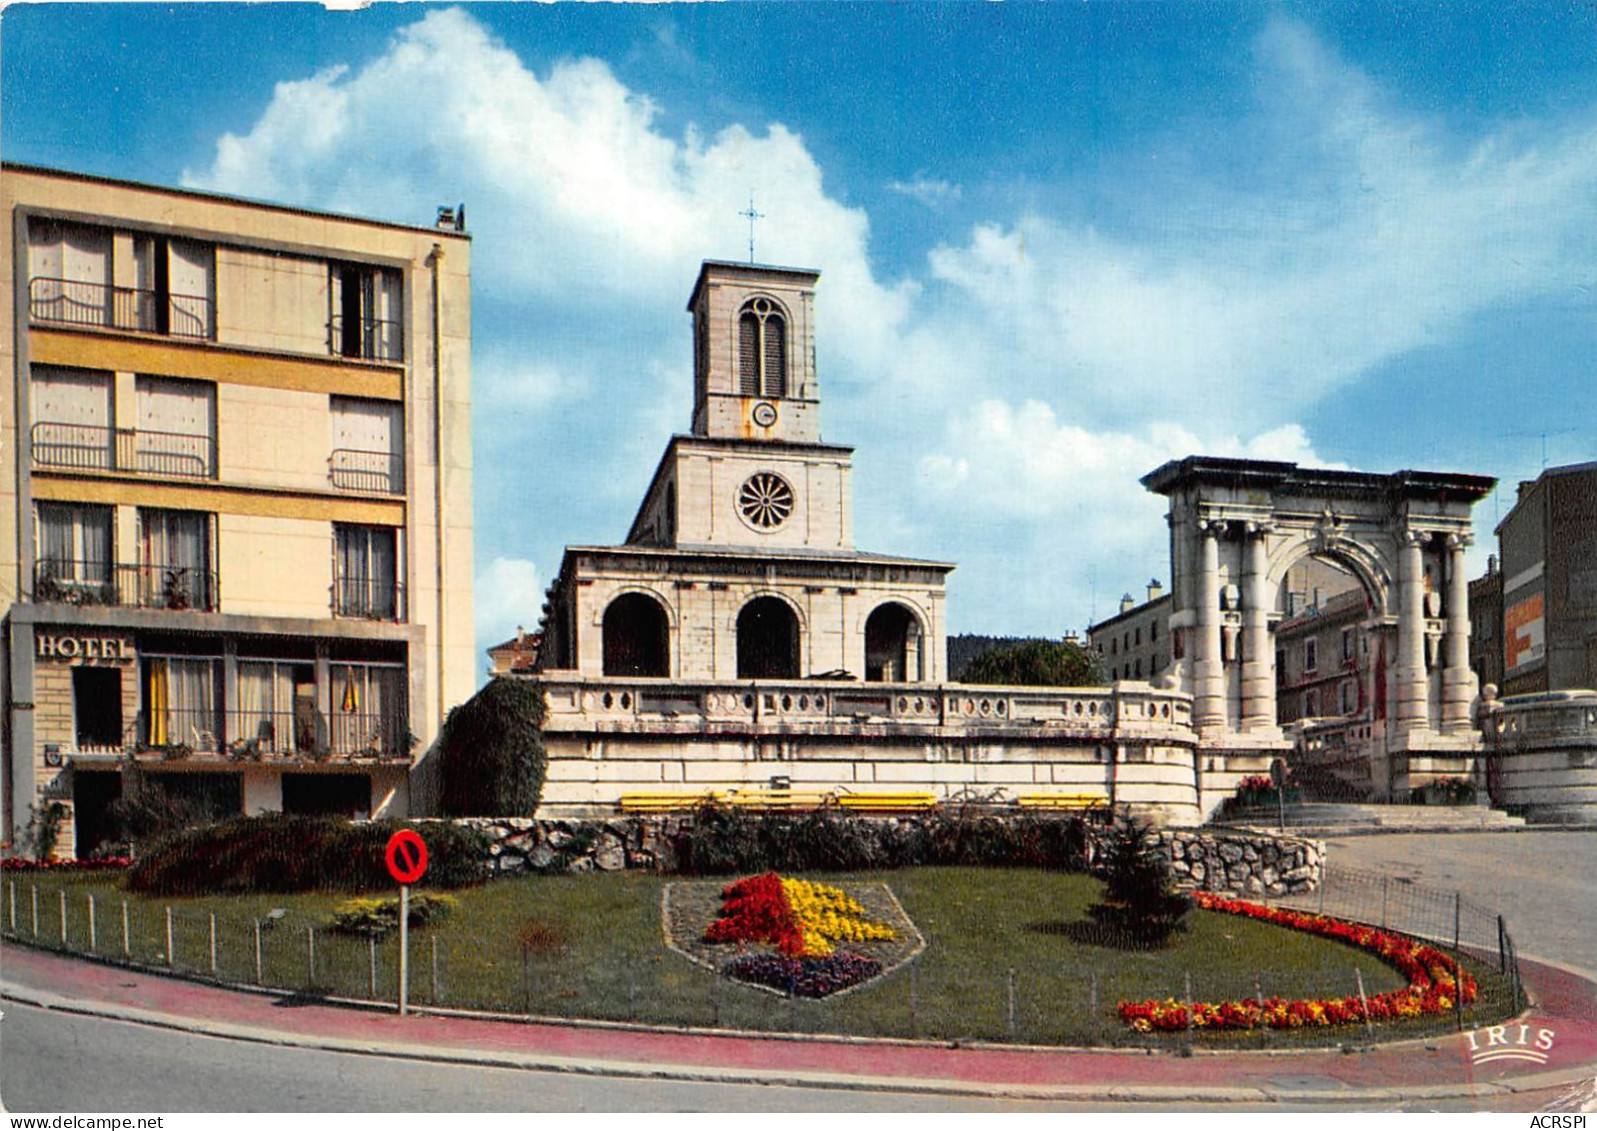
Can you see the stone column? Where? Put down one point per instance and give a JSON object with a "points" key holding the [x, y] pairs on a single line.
{"points": [[1258, 685], [1410, 709], [1208, 672], [1458, 683]]}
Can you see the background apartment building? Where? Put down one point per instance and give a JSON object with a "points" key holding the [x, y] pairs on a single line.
{"points": [[235, 502], [1547, 587]]}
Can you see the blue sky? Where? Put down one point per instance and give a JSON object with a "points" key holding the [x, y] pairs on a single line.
{"points": [[1060, 244]]}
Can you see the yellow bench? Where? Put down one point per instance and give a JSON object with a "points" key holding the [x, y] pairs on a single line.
{"points": [[668, 802], [886, 801], [776, 799], [1062, 801]]}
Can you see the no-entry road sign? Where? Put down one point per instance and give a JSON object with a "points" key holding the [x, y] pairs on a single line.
{"points": [[407, 856]]}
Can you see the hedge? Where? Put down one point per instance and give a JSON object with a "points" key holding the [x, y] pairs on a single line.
{"points": [[276, 852]]}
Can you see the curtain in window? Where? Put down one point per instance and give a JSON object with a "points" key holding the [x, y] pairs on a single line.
{"points": [[191, 696], [370, 717], [265, 710], [157, 703], [176, 558], [75, 543], [367, 571]]}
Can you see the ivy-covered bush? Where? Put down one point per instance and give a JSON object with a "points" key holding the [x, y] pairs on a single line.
{"points": [[491, 756], [276, 852]]}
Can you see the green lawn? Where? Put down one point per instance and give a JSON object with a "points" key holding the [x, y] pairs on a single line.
{"points": [[978, 923]]}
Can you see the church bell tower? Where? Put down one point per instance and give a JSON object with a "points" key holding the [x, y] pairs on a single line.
{"points": [[754, 353]]}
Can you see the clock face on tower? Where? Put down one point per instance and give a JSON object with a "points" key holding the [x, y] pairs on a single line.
{"points": [[765, 414], [765, 500]]}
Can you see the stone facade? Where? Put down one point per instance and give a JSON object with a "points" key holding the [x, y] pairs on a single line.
{"points": [[1549, 586], [236, 536], [1237, 527], [1541, 755], [741, 562]]}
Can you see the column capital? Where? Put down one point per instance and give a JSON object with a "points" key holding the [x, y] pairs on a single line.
{"points": [[1259, 528], [1409, 536], [1460, 542], [1211, 527]]}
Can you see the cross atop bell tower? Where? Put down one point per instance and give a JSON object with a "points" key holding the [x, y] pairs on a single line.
{"points": [[754, 353]]}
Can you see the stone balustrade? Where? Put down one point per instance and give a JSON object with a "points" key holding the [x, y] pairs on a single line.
{"points": [[622, 704], [1541, 755]]}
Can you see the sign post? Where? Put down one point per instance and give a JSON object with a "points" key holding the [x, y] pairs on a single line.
{"points": [[406, 856], [1278, 779]]}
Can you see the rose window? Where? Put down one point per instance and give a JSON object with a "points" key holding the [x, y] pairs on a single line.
{"points": [[765, 500]]}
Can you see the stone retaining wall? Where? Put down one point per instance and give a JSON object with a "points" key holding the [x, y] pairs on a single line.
{"points": [[1237, 864], [1244, 864]]}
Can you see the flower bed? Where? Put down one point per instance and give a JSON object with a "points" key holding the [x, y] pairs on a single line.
{"points": [[803, 921], [799, 918], [1436, 984], [92, 864]]}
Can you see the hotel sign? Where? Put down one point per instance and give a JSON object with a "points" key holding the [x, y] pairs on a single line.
{"points": [[85, 647]]}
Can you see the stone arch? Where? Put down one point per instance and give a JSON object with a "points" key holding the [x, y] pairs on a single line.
{"points": [[895, 642], [769, 636], [1364, 561], [637, 636], [1237, 526]]}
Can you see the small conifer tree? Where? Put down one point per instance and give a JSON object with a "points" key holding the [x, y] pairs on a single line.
{"points": [[1140, 904]]}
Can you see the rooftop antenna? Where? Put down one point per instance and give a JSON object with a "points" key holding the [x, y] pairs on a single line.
{"points": [[751, 215]]}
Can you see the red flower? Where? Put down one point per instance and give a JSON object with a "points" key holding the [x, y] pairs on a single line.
{"points": [[1436, 983]]}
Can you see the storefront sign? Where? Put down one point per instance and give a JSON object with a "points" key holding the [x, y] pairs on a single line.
{"points": [[85, 647]]}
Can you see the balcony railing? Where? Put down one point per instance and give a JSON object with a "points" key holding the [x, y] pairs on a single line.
{"points": [[73, 302], [310, 734], [353, 470], [374, 339], [372, 598], [60, 581], [94, 447]]}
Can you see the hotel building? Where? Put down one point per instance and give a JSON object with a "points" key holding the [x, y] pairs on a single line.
{"points": [[235, 503]]}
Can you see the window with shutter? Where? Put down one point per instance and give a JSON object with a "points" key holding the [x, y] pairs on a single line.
{"points": [[762, 350], [749, 354]]}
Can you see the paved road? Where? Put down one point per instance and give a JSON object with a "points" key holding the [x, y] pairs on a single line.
{"points": [[1544, 883], [137, 1068], [142, 1069]]}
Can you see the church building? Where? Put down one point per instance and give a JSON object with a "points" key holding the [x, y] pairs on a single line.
{"points": [[741, 562]]}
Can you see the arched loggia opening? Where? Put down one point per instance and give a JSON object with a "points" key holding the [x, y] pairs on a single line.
{"points": [[637, 637], [768, 640], [892, 645]]}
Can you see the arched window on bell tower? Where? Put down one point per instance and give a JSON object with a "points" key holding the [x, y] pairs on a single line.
{"points": [[762, 349]]}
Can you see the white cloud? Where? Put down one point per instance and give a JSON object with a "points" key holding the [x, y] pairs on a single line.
{"points": [[1007, 398], [933, 192], [508, 594]]}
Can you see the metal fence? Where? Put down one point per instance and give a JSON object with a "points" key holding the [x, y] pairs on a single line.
{"points": [[1447, 918], [249, 942]]}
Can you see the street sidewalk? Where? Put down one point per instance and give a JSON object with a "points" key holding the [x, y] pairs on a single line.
{"points": [[1438, 1068]]}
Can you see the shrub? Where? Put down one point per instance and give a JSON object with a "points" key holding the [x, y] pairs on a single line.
{"points": [[1140, 905], [281, 853], [723, 841], [375, 918], [44, 828], [490, 752]]}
